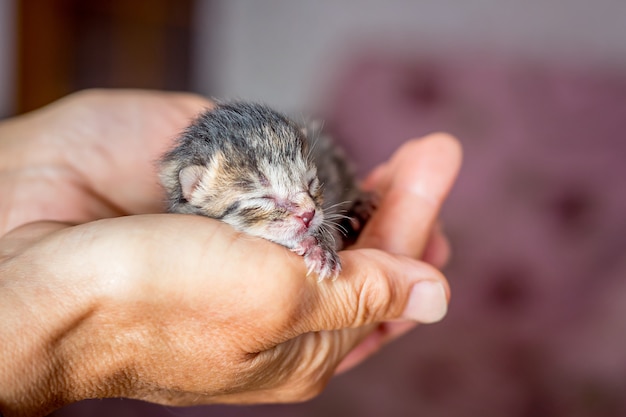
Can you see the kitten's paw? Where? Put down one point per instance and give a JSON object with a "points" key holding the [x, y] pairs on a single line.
{"points": [[357, 217], [362, 210], [324, 263]]}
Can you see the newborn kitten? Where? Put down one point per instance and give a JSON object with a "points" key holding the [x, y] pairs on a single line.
{"points": [[255, 169]]}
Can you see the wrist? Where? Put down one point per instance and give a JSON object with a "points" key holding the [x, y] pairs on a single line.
{"points": [[51, 360]]}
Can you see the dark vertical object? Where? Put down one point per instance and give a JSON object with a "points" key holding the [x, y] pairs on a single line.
{"points": [[69, 45], [44, 52]]}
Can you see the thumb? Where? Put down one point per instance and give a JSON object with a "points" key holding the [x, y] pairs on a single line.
{"points": [[376, 286]]}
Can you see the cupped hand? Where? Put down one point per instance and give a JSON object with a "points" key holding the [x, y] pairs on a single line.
{"points": [[90, 155], [181, 309]]}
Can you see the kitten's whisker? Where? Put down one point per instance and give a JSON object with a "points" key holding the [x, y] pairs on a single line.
{"points": [[338, 227], [313, 145], [346, 202], [315, 135], [330, 236], [329, 228], [337, 216]]}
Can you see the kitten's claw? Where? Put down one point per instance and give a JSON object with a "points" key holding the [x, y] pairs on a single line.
{"points": [[324, 262]]}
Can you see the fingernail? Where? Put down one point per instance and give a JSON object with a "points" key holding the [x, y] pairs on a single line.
{"points": [[427, 302]]}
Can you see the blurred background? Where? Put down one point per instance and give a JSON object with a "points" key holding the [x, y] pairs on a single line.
{"points": [[536, 92]]}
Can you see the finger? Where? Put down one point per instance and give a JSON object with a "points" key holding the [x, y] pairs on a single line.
{"points": [[375, 179], [413, 186], [419, 175], [375, 290], [437, 251], [378, 336], [368, 310], [374, 286]]}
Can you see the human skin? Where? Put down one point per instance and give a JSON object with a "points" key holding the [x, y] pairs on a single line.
{"points": [[102, 296]]}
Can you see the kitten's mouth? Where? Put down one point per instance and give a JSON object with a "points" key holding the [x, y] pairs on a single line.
{"points": [[303, 230], [297, 230], [298, 235]]}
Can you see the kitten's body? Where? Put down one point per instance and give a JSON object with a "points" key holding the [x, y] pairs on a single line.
{"points": [[258, 171]]}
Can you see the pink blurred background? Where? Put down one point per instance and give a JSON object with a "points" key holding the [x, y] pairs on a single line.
{"points": [[536, 93]]}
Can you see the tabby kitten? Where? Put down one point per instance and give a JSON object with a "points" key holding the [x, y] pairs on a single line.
{"points": [[255, 169]]}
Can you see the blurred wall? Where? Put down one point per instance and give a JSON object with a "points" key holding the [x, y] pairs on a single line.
{"points": [[276, 50], [7, 57]]}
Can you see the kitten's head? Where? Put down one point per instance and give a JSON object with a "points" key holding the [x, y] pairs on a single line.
{"points": [[259, 177]]}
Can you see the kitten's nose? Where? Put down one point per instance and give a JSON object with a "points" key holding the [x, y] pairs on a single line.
{"points": [[307, 217]]}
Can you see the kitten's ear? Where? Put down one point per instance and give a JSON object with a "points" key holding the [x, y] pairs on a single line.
{"points": [[203, 178], [190, 178]]}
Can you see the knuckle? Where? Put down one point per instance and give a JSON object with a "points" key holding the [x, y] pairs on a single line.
{"points": [[374, 301]]}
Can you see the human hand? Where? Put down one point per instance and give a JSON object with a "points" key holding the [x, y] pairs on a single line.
{"points": [[90, 155], [179, 309]]}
